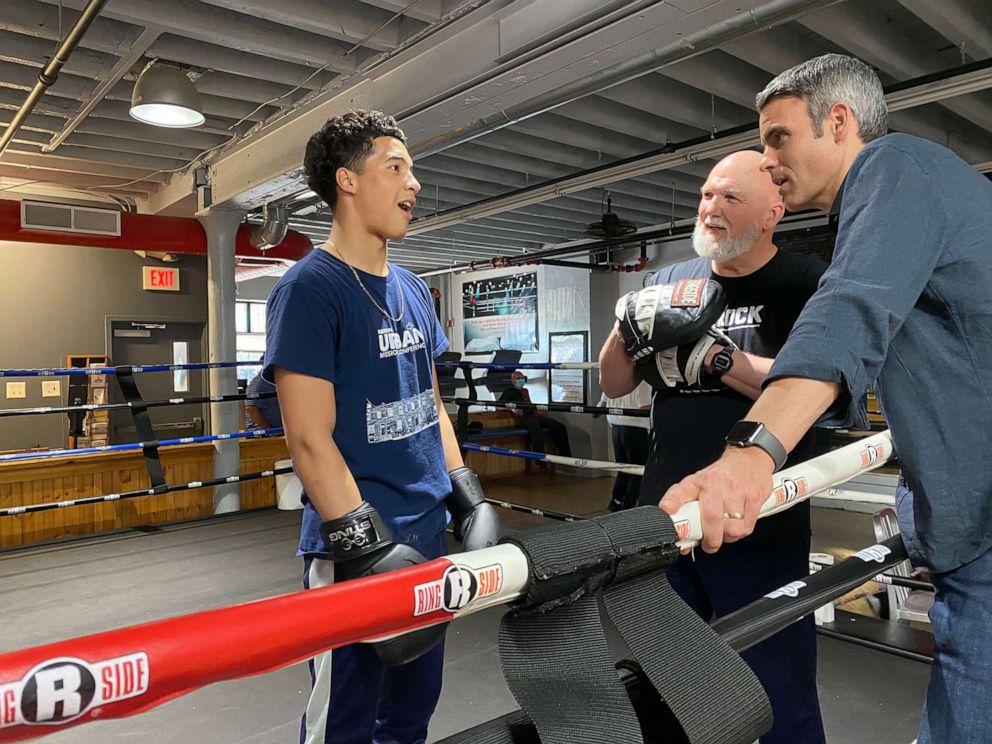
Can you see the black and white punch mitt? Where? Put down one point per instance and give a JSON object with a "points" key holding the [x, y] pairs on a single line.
{"points": [[668, 328]]}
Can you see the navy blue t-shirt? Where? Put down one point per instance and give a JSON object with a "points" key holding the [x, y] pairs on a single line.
{"points": [[688, 427], [321, 323]]}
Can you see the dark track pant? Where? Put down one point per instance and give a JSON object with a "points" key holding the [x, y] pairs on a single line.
{"points": [[356, 699], [630, 445], [716, 584]]}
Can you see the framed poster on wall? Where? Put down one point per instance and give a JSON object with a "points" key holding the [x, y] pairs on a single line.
{"points": [[568, 385], [500, 313]]}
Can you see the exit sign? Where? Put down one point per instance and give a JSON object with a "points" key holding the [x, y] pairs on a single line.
{"points": [[160, 279]]}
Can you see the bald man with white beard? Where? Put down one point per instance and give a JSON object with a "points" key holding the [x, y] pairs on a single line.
{"points": [[766, 289]]}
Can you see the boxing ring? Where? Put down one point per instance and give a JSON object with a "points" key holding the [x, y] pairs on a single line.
{"points": [[126, 671]]}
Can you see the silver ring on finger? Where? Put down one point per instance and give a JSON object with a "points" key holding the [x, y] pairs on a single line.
{"points": [[733, 515]]}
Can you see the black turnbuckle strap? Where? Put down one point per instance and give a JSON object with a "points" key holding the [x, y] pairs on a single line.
{"points": [[142, 424], [708, 687], [559, 668]]}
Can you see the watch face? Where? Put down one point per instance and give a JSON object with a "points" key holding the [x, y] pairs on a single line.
{"points": [[743, 431], [723, 361]]}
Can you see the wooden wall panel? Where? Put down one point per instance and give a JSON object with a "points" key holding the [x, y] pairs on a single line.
{"points": [[70, 478]]}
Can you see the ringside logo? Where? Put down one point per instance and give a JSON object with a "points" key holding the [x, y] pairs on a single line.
{"points": [[60, 690], [872, 454], [875, 553], [458, 586], [682, 529], [790, 490], [688, 293], [789, 590]]}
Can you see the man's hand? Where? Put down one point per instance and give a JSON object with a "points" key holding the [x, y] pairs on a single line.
{"points": [[730, 493]]}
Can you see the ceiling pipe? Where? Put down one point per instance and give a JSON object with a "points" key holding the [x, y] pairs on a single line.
{"points": [[123, 66], [275, 223], [50, 73]]}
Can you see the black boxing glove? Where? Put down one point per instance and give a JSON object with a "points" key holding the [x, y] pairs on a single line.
{"points": [[360, 544], [666, 316], [476, 523]]}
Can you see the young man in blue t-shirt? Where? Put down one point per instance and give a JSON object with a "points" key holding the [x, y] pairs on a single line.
{"points": [[351, 346]]}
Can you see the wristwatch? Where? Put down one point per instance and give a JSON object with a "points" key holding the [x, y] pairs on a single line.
{"points": [[754, 434], [722, 362]]}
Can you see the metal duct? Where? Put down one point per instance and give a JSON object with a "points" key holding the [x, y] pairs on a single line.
{"points": [[48, 76], [275, 223]]}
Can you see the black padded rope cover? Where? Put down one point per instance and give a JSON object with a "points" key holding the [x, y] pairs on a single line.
{"points": [[567, 563], [142, 424]]}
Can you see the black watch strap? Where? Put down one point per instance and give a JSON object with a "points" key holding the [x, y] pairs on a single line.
{"points": [[754, 434]]}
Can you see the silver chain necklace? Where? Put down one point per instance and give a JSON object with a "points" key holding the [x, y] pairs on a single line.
{"points": [[368, 294]]}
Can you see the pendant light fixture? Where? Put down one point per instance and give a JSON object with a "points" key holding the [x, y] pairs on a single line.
{"points": [[165, 97]]}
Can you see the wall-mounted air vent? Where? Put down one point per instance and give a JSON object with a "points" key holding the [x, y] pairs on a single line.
{"points": [[67, 218]]}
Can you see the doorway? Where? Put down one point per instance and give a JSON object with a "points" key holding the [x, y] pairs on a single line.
{"points": [[149, 342]]}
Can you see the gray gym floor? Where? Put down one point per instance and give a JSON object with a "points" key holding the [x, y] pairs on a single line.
{"points": [[73, 588]]}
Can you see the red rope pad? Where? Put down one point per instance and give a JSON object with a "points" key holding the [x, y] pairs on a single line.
{"points": [[122, 672]]}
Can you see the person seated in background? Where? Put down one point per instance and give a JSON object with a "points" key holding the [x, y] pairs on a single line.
{"points": [[536, 423], [262, 413]]}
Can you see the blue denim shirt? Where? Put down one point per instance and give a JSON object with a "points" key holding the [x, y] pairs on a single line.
{"points": [[907, 304]]}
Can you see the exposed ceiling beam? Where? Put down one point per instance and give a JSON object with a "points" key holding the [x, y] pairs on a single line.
{"points": [[348, 23], [119, 70], [428, 11], [911, 95], [227, 28], [173, 48], [966, 25], [77, 165], [79, 180], [629, 169]]}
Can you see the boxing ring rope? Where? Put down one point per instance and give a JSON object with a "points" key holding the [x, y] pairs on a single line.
{"points": [[559, 407], [517, 365], [132, 404], [575, 462], [154, 491], [119, 370], [129, 670], [135, 446], [534, 511]]}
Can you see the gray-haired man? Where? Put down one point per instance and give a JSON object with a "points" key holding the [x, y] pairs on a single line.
{"points": [[906, 303]]}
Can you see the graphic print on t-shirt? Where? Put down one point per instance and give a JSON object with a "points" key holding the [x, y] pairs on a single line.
{"points": [[399, 419], [393, 343], [737, 318]]}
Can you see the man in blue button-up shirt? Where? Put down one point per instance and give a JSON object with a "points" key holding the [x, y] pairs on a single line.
{"points": [[906, 304]]}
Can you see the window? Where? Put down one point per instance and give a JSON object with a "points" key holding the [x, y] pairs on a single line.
{"points": [[180, 377], [249, 323]]}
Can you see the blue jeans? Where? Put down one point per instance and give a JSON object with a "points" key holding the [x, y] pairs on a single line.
{"points": [[959, 698], [356, 699]]}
